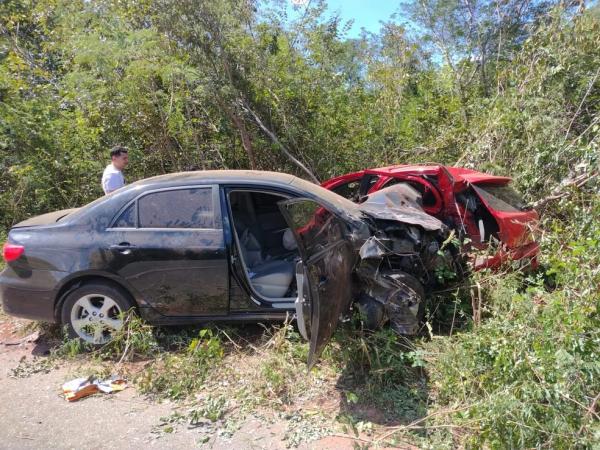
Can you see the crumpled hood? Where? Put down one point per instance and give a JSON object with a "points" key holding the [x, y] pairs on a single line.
{"points": [[402, 203]]}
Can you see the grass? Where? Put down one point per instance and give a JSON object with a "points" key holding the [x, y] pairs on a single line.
{"points": [[525, 375]]}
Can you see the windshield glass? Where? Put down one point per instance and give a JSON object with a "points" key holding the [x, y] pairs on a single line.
{"points": [[501, 197]]}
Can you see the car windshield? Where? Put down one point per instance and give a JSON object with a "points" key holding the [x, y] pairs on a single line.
{"points": [[501, 197]]}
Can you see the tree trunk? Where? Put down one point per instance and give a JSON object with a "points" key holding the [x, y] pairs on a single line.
{"points": [[238, 122]]}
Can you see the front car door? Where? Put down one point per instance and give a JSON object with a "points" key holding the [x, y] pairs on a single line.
{"points": [[328, 260], [168, 245]]}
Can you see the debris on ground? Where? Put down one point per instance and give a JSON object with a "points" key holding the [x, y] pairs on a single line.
{"points": [[83, 387], [31, 338]]}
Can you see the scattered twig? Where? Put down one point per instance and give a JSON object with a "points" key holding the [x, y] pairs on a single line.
{"points": [[590, 411], [559, 193], [476, 304], [235, 344], [415, 424]]}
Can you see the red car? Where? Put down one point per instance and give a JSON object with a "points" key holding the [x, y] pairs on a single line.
{"points": [[477, 205]]}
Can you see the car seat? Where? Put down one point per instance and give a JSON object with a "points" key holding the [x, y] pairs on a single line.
{"points": [[270, 277]]}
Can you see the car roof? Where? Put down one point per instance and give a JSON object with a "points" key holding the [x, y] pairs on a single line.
{"points": [[248, 178], [217, 176]]}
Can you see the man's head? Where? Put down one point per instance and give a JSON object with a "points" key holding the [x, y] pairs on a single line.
{"points": [[119, 157]]}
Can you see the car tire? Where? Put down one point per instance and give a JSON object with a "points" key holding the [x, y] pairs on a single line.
{"points": [[405, 320], [372, 312], [94, 312]]}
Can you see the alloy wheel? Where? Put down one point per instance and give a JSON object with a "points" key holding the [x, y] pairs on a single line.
{"points": [[95, 318]]}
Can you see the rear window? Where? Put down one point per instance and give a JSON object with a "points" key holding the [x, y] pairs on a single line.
{"points": [[501, 197], [348, 190], [181, 208]]}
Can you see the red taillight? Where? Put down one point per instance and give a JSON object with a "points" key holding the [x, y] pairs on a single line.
{"points": [[10, 252]]}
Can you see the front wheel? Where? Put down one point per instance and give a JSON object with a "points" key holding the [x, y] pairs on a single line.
{"points": [[94, 312], [399, 298], [405, 305]]}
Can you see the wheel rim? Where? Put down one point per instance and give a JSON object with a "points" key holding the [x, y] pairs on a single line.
{"points": [[95, 318]]}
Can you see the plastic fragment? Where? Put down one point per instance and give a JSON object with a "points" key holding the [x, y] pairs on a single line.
{"points": [[83, 387]]}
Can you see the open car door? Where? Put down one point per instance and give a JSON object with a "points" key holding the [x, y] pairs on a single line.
{"points": [[324, 275]]}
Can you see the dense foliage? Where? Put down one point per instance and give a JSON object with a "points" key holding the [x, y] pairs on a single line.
{"points": [[509, 87]]}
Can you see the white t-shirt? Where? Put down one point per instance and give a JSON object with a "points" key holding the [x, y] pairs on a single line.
{"points": [[112, 179]]}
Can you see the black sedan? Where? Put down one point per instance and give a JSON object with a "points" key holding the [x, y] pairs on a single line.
{"points": [[226, 246]]}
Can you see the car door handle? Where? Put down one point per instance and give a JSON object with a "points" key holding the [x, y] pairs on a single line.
{"points": [[123, 247]]}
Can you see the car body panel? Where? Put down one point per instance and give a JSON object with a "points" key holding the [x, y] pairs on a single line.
{"points": [[45, 219], [184, 273], [328, 258], [399, 203]]}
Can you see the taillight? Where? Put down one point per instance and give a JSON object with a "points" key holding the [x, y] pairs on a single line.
{"points": [[10, 252]]}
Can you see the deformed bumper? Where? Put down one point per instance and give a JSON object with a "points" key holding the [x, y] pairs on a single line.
{"points": [[29, 297]]}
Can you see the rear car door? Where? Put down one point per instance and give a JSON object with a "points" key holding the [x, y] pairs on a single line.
{"points": [[325, 272], [169, 246]]}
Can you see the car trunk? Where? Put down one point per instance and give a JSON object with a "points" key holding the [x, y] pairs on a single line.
{"points": [[45, 219]]}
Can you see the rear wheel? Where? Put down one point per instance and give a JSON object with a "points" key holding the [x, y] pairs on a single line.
{"points": [[94, 312]]}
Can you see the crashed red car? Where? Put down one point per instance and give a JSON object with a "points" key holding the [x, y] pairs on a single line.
{"points": [[479, 206]]}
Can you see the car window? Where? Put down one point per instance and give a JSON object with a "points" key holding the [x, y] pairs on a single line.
{"points": [[367, 182], [180, 208], [348, 190], [127, 218], [501, 197], [314, 226]]}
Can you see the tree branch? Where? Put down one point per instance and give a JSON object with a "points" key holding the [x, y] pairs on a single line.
{"points": [[277, 142]]}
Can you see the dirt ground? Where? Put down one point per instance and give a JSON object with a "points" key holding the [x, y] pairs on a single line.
{"points": [[35, 415]]}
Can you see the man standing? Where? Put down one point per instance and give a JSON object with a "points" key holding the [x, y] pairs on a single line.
{"points": [[113, 179]]}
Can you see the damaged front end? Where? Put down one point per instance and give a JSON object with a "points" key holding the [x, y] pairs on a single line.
{"points": [[387, 253], [408, 255]]}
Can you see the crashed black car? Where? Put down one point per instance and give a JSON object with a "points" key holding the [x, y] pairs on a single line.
{"points": [[227, 246]]}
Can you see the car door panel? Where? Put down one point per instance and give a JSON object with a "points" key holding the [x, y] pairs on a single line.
{"points": [[177, 271], [328, 260]]}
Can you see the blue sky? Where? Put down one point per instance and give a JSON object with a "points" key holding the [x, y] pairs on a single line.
{"points": [[367, 14]]}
